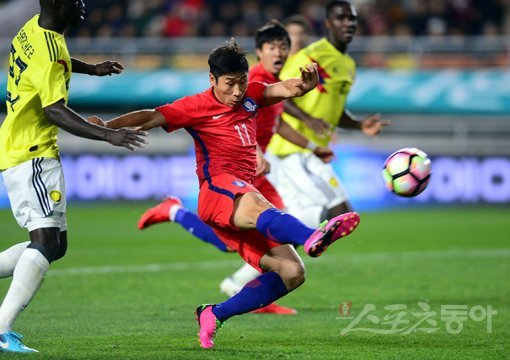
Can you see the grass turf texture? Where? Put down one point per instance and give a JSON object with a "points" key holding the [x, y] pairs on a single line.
{"points": [[124, 294]]}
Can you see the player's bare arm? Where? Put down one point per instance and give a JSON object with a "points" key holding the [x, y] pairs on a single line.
{"points": [[145, 119], [64, 117], [100, 69], [319, 126], [287, 132], [293, 87], [370, 126]]}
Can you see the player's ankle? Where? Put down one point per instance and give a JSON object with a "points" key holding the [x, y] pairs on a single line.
{"points": [[172, 212]]}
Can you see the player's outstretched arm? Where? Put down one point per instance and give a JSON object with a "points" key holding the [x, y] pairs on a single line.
{"points": [[293, 87], [144, 119], [64, 117], [100, 69]]}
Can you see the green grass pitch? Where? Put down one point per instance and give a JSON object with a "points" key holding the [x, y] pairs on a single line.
{"points": [[124, 294]]}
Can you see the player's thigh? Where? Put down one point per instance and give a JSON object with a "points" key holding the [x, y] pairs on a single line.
{"points": [[285, 261], [247, 209], [303, 181], [37, 194], [268, 191]]}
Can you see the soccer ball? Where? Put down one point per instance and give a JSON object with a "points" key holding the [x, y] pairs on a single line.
{"points": [[406, 172]]}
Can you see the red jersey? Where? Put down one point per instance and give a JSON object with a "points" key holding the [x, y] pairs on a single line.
{"points": [[225, 137], [267, 117]]}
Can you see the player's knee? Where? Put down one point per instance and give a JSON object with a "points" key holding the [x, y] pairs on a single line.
{"points": [[293, 275], [61, 250]]}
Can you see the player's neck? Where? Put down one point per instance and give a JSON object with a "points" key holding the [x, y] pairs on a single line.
{"points": [[48, 21], [342, 47]]}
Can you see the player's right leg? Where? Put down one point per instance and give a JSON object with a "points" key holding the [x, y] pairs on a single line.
{"points": [[172, 210], [253, 211]]}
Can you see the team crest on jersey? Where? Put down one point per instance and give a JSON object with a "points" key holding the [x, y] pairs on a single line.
{"points": [[249, 105], [239, 183], [55, 196]]}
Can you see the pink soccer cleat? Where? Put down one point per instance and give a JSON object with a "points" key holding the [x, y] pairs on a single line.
{"points": [[159, 213], [208, 324], [336, 228]]}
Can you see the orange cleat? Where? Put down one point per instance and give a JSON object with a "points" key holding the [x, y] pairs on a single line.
{"points": [[274, 308], [159, 213]]}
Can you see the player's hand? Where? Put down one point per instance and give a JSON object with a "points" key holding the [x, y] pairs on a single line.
{"points": [[324, 153], [263, 166], [130, 138], [96, 121], [309, 77], [319, 126], [108, 68], [372, 125]]}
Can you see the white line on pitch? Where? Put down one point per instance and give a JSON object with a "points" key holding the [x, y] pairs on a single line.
{"points": [[220, 264]]}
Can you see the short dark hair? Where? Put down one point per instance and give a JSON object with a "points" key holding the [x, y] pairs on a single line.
{"points": [[273, 30], [300, 20], [228, 59], [335, 3]]}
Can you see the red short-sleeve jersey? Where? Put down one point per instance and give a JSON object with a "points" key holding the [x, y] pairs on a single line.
{"points": [[225, 137], [268, 116]]}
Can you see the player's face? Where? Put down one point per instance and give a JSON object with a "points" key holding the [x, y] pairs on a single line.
{"points": [[273, 55], [341, 22], [298, 36], [229, 89], [72, 11]]}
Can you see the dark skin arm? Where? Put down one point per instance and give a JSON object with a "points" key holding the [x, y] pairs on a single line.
{"points": [[370, 126], [100, 69], [64, 117], [319, 126], [288, 133]]}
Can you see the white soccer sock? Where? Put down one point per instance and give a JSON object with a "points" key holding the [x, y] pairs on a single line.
{"points": [[232, 284], [310, 216], [9, 258], [27, 278], [173, 211]]}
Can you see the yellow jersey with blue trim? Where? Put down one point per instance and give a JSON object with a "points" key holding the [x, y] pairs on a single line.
{"points": [[327, 101], [39, 76]]}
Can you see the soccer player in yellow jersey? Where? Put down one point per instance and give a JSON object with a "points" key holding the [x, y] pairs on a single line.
{"points": [[37, 91], [309, 187]]}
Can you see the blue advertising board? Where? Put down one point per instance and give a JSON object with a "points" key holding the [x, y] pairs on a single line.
{"points": [[455, 180]]}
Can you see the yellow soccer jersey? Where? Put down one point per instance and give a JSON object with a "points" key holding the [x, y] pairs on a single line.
{"points": [[326, 101], [39, 75]]}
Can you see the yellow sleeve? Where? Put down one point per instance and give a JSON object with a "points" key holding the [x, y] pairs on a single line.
{"points": [[51, 84]]}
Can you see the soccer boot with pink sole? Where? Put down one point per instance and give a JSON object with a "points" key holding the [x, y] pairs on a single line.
{"points": [[208, 325], [336, 228], [159, 213]]}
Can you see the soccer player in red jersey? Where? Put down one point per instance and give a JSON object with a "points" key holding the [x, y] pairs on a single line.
{"points": [[222, 121]]}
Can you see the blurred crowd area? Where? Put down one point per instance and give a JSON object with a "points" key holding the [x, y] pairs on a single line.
{"points": [[178, 18]]}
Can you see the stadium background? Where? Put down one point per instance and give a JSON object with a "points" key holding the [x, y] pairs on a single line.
{"points": [[437, 69]]}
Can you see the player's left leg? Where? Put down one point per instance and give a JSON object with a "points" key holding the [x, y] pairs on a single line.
{"points": [[285, 272]]}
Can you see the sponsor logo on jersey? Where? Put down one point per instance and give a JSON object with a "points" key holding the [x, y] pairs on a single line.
{"points": [[239, 183], [249, 105]]}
